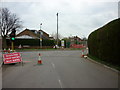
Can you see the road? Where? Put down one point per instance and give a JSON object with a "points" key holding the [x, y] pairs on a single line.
{"points": [[59, 69]]}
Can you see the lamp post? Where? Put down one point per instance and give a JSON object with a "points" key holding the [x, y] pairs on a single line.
{"points": [[40, 36], [40, 26]]}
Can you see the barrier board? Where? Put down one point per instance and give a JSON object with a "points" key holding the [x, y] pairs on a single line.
{"points": [[12, 58]]}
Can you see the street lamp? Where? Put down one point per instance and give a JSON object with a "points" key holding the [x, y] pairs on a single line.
{"points": [[40, 26]]}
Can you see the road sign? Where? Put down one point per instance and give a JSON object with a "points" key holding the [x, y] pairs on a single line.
{"points": [[12, 58], [62, 43]]}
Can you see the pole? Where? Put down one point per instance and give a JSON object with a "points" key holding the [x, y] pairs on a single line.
{"points": [[40, 26], [40, 37], [40, 40], [57, 29], [12, 46]]}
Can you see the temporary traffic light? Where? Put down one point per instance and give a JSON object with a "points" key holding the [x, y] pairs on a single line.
{"points": [[12, 38], [12, 35]]}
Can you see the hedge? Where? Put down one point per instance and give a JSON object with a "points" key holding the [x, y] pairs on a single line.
{"points": [[104, 43], [31, 42]]}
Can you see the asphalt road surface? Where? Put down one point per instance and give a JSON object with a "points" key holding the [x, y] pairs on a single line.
{"points": [[59, 69]]}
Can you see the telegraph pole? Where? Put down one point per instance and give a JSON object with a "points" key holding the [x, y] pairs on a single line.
{"points": [[57, 29]]}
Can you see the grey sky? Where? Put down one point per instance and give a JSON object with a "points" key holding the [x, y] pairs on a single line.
{"points": [[76, 17]]}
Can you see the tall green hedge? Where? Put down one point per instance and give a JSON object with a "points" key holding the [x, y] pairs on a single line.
{"points": [[32, 42], [104, 43]]}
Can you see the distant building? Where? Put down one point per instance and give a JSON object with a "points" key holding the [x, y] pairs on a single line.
{"points": [[75, 40], [51, 38], [33, 34]]}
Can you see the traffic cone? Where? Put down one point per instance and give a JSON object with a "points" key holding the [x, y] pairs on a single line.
{"points": [[9, 50], [82, 53], [85, 56], [4, 50], [39, 59]]}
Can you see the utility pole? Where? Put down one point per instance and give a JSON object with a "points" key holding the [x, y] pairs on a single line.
{"points": [[57, 29]]}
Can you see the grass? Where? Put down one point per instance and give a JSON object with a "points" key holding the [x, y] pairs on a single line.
{"points": [[33, 49], [48, 49], [117, 67]]}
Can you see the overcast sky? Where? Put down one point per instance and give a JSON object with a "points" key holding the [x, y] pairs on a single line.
{"points": [[76, 17]]}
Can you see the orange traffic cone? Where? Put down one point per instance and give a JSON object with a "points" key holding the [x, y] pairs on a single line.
{"points": [[9, 50], [39, 59], [85, 56], [82, 53]]}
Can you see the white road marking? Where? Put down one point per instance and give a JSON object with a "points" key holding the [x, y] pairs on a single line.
{"points": [[53, 65], [60, 83], [57, 76]]}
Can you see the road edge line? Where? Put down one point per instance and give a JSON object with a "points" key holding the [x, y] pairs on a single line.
{"points": [[117, 71]]}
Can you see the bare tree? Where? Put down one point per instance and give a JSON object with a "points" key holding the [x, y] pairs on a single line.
{"points": [[54, 35], [8, 22]]}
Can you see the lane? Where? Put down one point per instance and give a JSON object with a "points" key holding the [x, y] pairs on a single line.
{"points": [[80, 73], [30, 75], [60, 69]]}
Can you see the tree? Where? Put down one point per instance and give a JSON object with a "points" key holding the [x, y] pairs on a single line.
{"points": [[54, 35], [8, 22]]}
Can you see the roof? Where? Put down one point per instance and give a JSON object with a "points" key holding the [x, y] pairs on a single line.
{"points": [[28, 33], [32, 34], [43, 32]]}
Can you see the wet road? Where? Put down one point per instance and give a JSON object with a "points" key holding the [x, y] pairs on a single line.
{"points": [[59, 69]]}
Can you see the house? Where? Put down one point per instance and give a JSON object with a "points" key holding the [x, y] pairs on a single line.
{"points": [[75, 40], [33, 34], [43, 34], [27, 34]]}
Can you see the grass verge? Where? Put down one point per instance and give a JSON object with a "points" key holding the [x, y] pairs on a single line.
{"points": [[47, 49], [117, 67], [32, 49]]}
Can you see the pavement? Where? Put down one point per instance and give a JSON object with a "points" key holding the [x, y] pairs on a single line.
{"points": [[59, 69], [0, 70], [0, 59]]}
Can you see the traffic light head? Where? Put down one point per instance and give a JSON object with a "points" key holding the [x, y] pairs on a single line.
{"points": [[12, 38], [12, 35]]}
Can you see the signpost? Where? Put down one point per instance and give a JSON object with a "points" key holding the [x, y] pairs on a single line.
{"points": [[12, 58], [62, 43]]}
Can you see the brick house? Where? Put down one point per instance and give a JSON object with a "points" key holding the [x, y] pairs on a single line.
{"points": [[75, 40], [32, 34]]}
